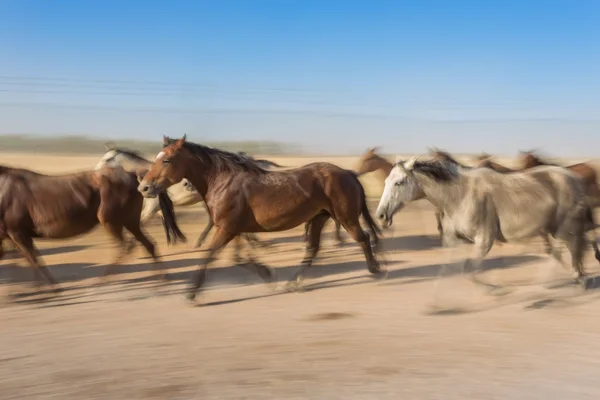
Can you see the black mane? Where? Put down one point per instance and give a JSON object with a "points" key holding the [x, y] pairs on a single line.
{"points": [[221, 159], [446, 156], [435, 169]]}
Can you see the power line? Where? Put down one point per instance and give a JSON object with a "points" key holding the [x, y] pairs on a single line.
{"points": [[224, 111], [157, 83], [174, 91], [185, 95]]}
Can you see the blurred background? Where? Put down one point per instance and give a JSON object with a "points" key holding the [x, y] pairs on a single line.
{"points": [[305, 77], [296, 82]]}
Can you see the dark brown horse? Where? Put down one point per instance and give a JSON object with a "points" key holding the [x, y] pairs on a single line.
{"points": [[528, 159], [34, 205], [242, 197]]}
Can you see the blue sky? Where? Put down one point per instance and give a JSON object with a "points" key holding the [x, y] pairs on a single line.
{"points": [[334, 74]]}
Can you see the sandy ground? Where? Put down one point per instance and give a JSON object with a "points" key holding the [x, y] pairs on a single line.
{"points": [[347, 336]]}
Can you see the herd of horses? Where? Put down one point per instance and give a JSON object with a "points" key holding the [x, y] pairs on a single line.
{"points": [[482, 204]]}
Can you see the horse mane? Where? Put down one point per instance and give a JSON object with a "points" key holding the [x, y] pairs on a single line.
{"points": [[540, 160], [130, 153], [436, 170], [221, 159], [445, 156]]}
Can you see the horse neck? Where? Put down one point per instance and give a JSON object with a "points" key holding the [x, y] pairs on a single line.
{"points": [[383, 166], [138, 162], [203, 177], [443, 195]]}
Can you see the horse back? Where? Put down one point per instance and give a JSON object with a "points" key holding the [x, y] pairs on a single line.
{"points": [[586, 172], [47, 206]]}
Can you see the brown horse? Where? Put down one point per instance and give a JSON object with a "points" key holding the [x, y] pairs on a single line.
{"points": [[242, 197], [485, 161], [34, 205], [370, 161], [587, 173]]}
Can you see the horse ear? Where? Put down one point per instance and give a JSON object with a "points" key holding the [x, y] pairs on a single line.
{"points": [[184, 137], [373, 150], [179, 142], [165, 140], [399, 160], [410, 164], [109, 146]]}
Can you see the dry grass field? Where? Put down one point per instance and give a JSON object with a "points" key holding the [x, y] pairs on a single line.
{"points": [[347, 336]]}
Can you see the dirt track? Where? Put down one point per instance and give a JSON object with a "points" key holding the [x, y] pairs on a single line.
{"points": [[347, 336]]}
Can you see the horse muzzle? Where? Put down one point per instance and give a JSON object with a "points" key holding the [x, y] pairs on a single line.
{"points": [[385, 219], [148, 190]]}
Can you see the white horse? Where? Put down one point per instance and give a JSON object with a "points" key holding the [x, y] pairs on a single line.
{"points": [[481, 206]]}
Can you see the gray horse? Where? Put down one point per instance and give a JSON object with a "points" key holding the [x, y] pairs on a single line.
{"points": [[481, 205]]}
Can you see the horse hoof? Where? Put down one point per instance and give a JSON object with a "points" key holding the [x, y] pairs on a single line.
{"points": [[271, 281], [382, 274], [272, 285], [191, 297], [292, 287], [374, 269]]}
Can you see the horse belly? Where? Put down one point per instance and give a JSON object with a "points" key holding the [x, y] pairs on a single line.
{"points": [[62, 228], [518, 227], [274, 212]]}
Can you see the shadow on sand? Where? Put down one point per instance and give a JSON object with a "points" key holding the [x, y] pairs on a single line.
{"points": [[13, 254], [235, 275]]}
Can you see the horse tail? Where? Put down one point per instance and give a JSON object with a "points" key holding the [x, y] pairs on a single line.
{"points": [[373, 227], [169, 220]]}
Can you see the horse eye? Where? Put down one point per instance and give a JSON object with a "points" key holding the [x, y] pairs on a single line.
{"points": [[399, 183], [166, 161]]}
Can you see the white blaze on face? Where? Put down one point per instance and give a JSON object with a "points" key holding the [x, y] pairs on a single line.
{"points": [[160, 156]]}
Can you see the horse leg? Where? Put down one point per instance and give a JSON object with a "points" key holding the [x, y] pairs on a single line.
{"points": [[590, 228], [440, 228], [482, 246], [255, 241], [550, 250], [576, 245], [115, 230], [27, 248], [266, 273], [219, 240], [363, 238], [137, 233], [312, 249], [338, 236], [151, 207], [207, 229], [306, 230]]}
